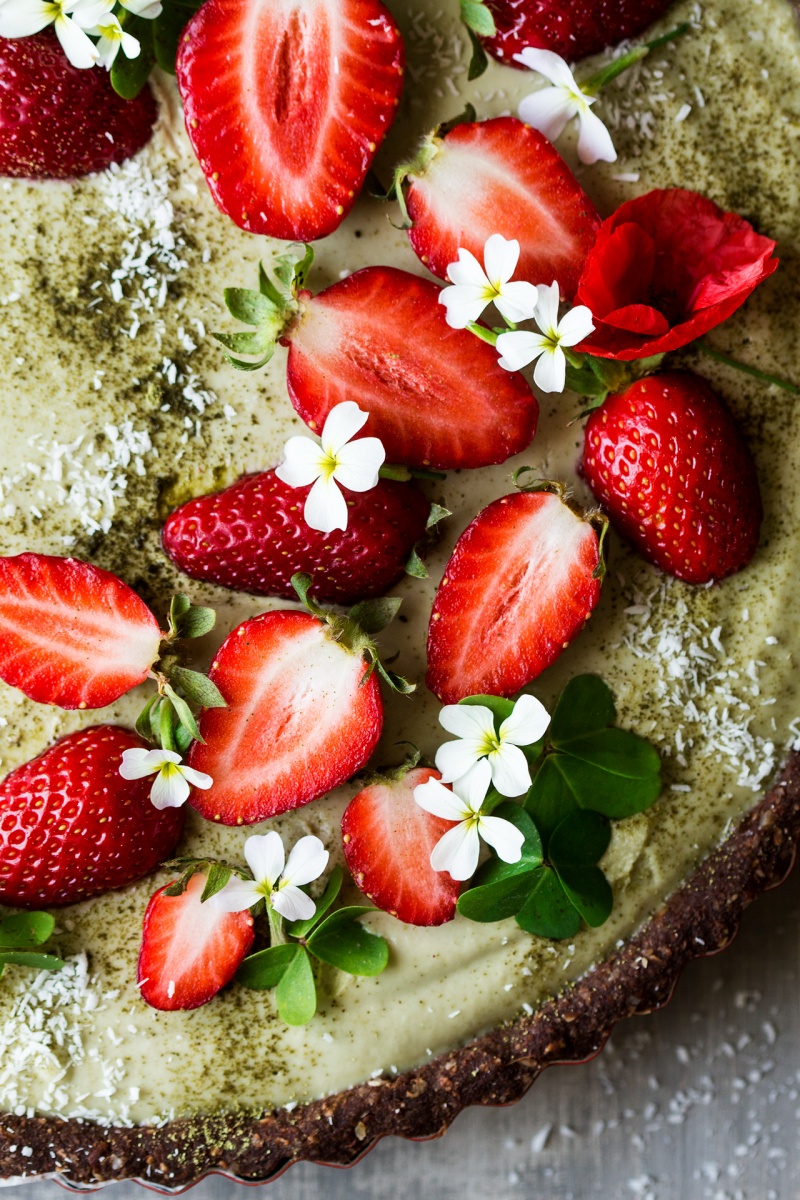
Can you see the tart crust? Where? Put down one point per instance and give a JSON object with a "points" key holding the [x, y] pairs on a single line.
{"points": [[700, 918]]}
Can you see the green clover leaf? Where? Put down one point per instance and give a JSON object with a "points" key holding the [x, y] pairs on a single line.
{"points": [[19, 933], [342, 941]]}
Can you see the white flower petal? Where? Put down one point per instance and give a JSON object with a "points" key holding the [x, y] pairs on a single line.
{"points": [[236, 896], [342, 423], [325, 508], [594, 140], [455, 759], [547, 309], [107, 51], [528, 722], [149, 9], [547, 110], [575, 325], [500, 258], [307, 860], [197, 779], [520, 347], [170, 789], [21, 18], [292, 904], [89, 14], [510, 771], [467, 271], [359, 463], [518, 301], [79, 49], [463, 303], [552, 66], [472, 787], [265, 856], [551, 370], [131, 48], [467, 720], [503, 837], [457, 851], [438, 800], [136, 763], [303, 462]]}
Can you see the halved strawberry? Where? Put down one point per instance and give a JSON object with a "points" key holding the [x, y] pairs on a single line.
{"points": [[498, 176], [388, 841], [521, 583], [252, 536], [72, 634], [304, 714], [435, 395], [286, 104], [189, 950]]}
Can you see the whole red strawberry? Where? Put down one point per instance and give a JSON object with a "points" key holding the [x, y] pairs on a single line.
{"points": [[58, 121], [71, 827], [669, 464], [252, 537], [571, 28], [286, 105], [520, 585]]}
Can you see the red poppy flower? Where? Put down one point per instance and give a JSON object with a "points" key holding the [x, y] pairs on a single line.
{"points": [[665, 269]]}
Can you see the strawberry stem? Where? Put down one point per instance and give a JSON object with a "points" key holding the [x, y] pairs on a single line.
{"points": [[403, 474], [595, 83], [764, 376], [480, 331], [166, 726]]}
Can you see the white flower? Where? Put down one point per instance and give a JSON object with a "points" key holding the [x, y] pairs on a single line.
{"points": [[149, 9], [458, 850], [473, 724], [113, 38], [71, 18], [274, 879], [172, 783], [354, 465], [473, 288], [549, 109], [521, 346]]}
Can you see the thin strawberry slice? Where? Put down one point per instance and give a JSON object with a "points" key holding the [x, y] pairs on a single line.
{"points": [[388, 841], [301, 719], [72, 634], [501, 176], [286, 104], [435, 395], [519, 586], [189, 950]]}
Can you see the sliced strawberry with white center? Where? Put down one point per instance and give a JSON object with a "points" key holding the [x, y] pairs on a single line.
{"points": [[436, 396], [72, 634], [189, 950], [500, 176], [300, 719], [519, 586], [286, 103], [388, 841]]}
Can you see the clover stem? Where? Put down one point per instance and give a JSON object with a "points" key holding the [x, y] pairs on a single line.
{"points": [[764, 376], [277, 932], [486, 335], [595, 83]]}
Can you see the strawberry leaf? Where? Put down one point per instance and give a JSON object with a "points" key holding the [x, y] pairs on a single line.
{"points": [[250, 307], [218, 876], [296, 993], [196, 622], [25, 958], [342, 941], [198, 688], [374, 615], [477, 17], [299, 929], [23, 930], [548, 911], [184, 713], [265, 969]]}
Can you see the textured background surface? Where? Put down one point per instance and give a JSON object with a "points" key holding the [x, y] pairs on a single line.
{"points": [[698, 1102]]}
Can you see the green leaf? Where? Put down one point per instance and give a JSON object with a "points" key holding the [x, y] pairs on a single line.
{"points": [[589, 892], [250, 307], [129, 75], [477, 17], [196, 621], [478, 59], [500, 888], [167, 30], [302, 584], [550, 798], [342, 941], [580, 840], [183, 739], [179, 605], [144, 725], [26, 929], [299, 929], [198, 688], [24, 958], [586, 705], [548, 911], [499, 707], [415, 567], [266, 969], [614, 772], [374, 615], [296, 994], [254, 341], [185, 714], [436, 515], [218, 875]]}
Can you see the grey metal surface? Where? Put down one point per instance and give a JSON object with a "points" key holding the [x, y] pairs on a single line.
{"points": [[698, 1102]]}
